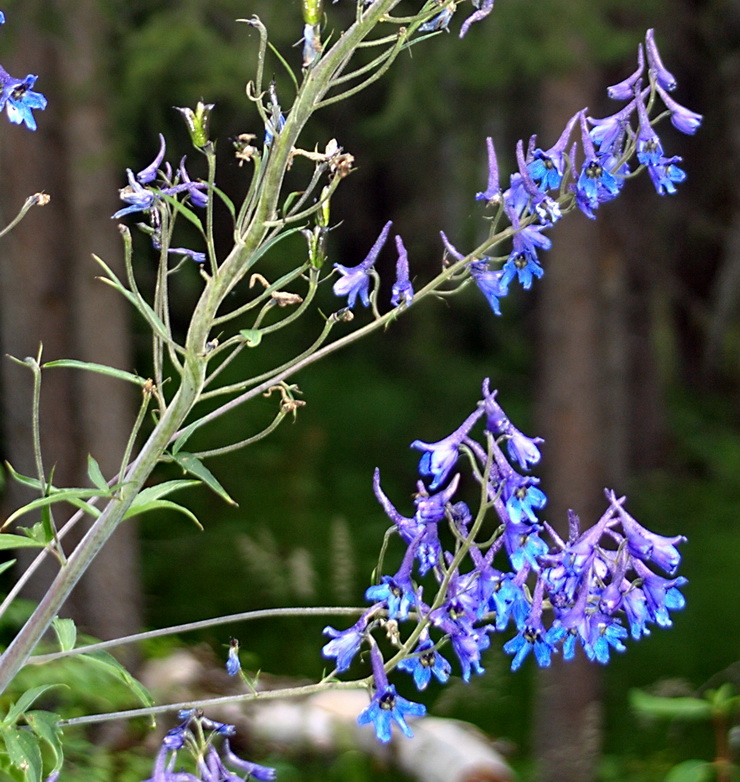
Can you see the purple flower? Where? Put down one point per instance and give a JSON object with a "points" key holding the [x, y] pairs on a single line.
{"points": [[355, 280], [490, 283], [625, 89], [492, 193], [468, 646], [387, 706], [263, 773], [440, 457], [484, 8], [660, 593], [194, 255], [149, 174], [197, 198], [138, 198], [402, 291], [682, 118], [522, 497], [19, 99], [663, 77], [522, 262]]}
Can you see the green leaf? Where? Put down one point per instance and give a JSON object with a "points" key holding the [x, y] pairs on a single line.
{"points": [[95, 474], [100, 369], [109, 663], [34, 483], [252, 337], [55, 495], [185, 211], [692, 709], [18, 541], [25, 701], [66, 633], [7, 565], [24, 752], [691, 771], [227, 201], [194, 466], [166, 505], [44, 725], [145, 496]]}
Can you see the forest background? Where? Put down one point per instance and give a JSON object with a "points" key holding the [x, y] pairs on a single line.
{"points": [[624, 356]]}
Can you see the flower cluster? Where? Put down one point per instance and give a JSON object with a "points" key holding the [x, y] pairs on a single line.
{"points": [[195, 736], [18, 97], [549, 182], [146, 189], [517, 576]]}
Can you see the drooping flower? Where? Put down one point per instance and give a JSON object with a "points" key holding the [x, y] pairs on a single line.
{"points": [[665, 174], [346, 643], [440, 457], [402, 291], [533, 636], [625, 89], [387, 706], [662, 75], [682, 118], [490, 283], [355, 280], [149, 174], [19, 99], [441, 21], [492, 193]]}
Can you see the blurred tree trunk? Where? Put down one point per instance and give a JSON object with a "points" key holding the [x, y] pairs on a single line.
{"points": [[49, 293], [568, 725]]}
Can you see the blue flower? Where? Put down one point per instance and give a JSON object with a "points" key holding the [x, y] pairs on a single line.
{"points": [[345, 644], [233, 665], [397, 593], [19, 99], [649, 148], [149, 174], [665, 173], [533, 636], [440, 457], [194, 255], [522, 497], [355, 280], [490, 283], [546, 167], [427, 661], [439, 22], [387, 706], [262, 773], [138, 197], [660, 593], [402, 291]]}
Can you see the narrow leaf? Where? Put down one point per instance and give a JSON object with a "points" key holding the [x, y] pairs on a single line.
{"points": [[165, 505], [7, 565], [227, 201], [25, 702], [100, 369], [109, 664], [194, 466], [145, 496], [18, 541], [59, 495]]}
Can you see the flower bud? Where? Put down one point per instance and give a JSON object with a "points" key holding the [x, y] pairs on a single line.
{"points": [[197, 122]]}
